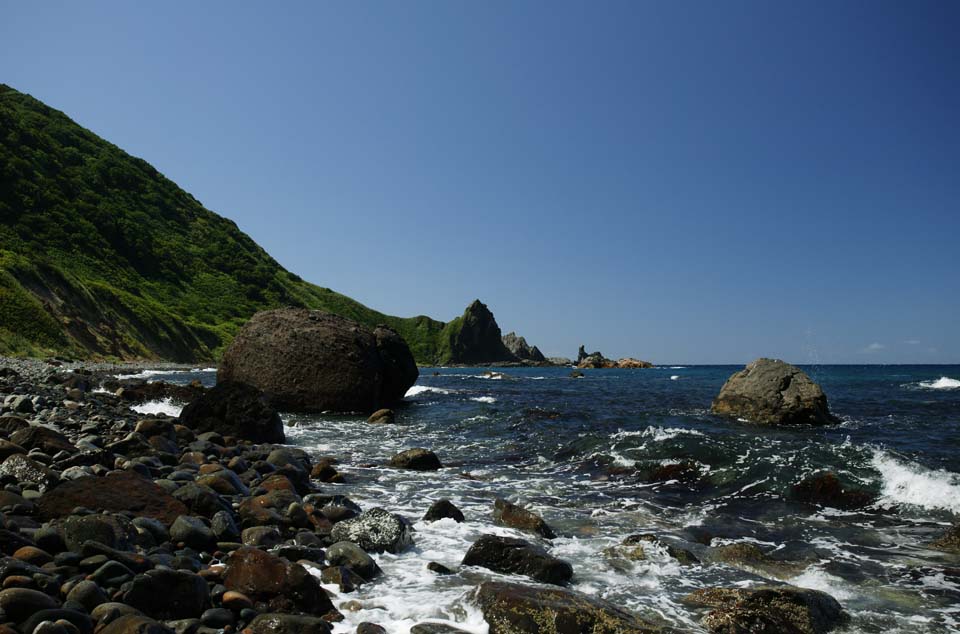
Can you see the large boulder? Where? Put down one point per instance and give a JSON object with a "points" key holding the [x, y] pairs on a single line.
{"points": [[768, 610], [508, 514], [375, 531], [519, 348], [168, 594], [275, 584], [117, 492], [508, 555], [512, 608], [770, 391], [308, 360], [234, 409]]}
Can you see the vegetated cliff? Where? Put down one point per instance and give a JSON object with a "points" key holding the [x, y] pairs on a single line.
{"points": [[102, 256], [474, 337]]}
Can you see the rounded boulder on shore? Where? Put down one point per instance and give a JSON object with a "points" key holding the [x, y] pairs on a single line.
{"points": [[312, 361]]}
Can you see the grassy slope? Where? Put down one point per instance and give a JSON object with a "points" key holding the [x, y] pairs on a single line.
{"points": [[101, 255]]}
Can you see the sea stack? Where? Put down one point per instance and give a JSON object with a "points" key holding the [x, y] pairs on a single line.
{"points": [[311, 361], [770, 391]]}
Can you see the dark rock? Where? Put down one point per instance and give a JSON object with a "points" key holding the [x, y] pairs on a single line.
{"points": [[686, 471], [192, 532], [274, 584], [949, 541], [511, 608], [261, 536], [12, 541], [507, 514], [520, 349], [370, 628], [82, 623], [88, 594], [168, 594], [417, 459], [769, 610], [825, 489], [234, 409], [315, 361], [442, 509], [288, 624], [201, 500], [12, 424], [218, 618], [353, 557], [45, 439], [375, 531], [516, 556], [20, 603], [134, 624], [24, 469], [117, 492], [773, 392], [438, 568], [475, 337], [345, 579], [8, 448], [224, 527], [436, 628], [114, 531], [108, 612]]}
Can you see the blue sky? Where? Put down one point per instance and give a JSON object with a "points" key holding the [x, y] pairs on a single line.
{"points": [[680, 182]]}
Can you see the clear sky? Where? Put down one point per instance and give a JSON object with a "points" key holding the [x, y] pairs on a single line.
{"points": [[675, 181]]}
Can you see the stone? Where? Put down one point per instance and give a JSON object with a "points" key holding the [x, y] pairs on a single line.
{"points": [[134, 624], [88, 594], [43, 438], [417, 459], [218, 618], [443, 509], [116, 492], [382, 416], [439, 568], [8, 448], [168, 594], [825, 489], [113, 531], [235, 601], [351, 556], [769, 610], [261, 536], [508, 555], [769, 391], [948, 542], [192, 532], [376, 530], [288, 624], [24, 469], [234, 409], [312, 361], [201, 500], [512, 608], [370, 628], [66, 620], [508, 514], [274, 584], [20, 603]]}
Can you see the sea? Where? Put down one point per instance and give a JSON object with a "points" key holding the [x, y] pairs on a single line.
{"points": [[588, 454]]}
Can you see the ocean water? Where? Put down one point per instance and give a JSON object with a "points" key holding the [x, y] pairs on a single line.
{"points": [[581, 452]]}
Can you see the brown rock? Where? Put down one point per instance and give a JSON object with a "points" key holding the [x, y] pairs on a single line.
{"points": [[507, 514], [382, 416], [117, 492], [275, 584], [770, 391], [769, 610]]}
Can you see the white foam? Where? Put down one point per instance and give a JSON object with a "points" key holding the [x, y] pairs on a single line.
{"points": [[656, 433], [483, 399], [674, 377], [145, 374], [817, 579], [165, 406], [913, 484], [426, 389], [943, 383]]}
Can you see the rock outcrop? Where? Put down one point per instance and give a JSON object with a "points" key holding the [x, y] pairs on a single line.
{"points": [[308, 360], [519, 348], [597, 360], [770, 391], [474, 337]]}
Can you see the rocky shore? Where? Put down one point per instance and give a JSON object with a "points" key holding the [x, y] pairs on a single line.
{"points": [[113, 522]]}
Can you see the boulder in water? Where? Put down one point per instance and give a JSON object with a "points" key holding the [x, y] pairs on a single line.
{"points": [[509, 555], [769, 610], [234, 409], [308, 360], [770, 391], [508, 514], [375, 531]]}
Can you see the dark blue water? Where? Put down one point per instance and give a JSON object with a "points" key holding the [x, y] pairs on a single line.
{"points": [[594, 456]]}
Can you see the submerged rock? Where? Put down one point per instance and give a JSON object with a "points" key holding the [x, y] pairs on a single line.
{"points": [[417, 459], [825, 489], [508, 555], [512, 608], [769, 610], [948, 542], [312, 361], [508, 514], [234, 409], [770, 391]]}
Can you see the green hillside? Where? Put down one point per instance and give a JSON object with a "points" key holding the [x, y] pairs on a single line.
{"points": [[102, 256]]}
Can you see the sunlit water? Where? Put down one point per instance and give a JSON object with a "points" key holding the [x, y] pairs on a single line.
{"points": [[580, 451]]}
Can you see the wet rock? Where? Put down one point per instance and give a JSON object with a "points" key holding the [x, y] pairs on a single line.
{"points": [[235, 601], [376, 530], [508, 555], [770, 391], [686, 471], [370, 628], [288, 624], [949, 541], [261, 536], [442, 509], [234, 409], [135, 624], [117, 492], [315, 361], [218, 618], [508, 514], [344, 578], [438, 568], [20, 603], [168, 594], [353, 557], [769, 610], [511, 608], [382, 416], [825, 489], [417, 459], [436, 628], [274, 584]]}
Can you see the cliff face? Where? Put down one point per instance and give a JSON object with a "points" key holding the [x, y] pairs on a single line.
{"points": [[474, 337], [519, 348]]}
